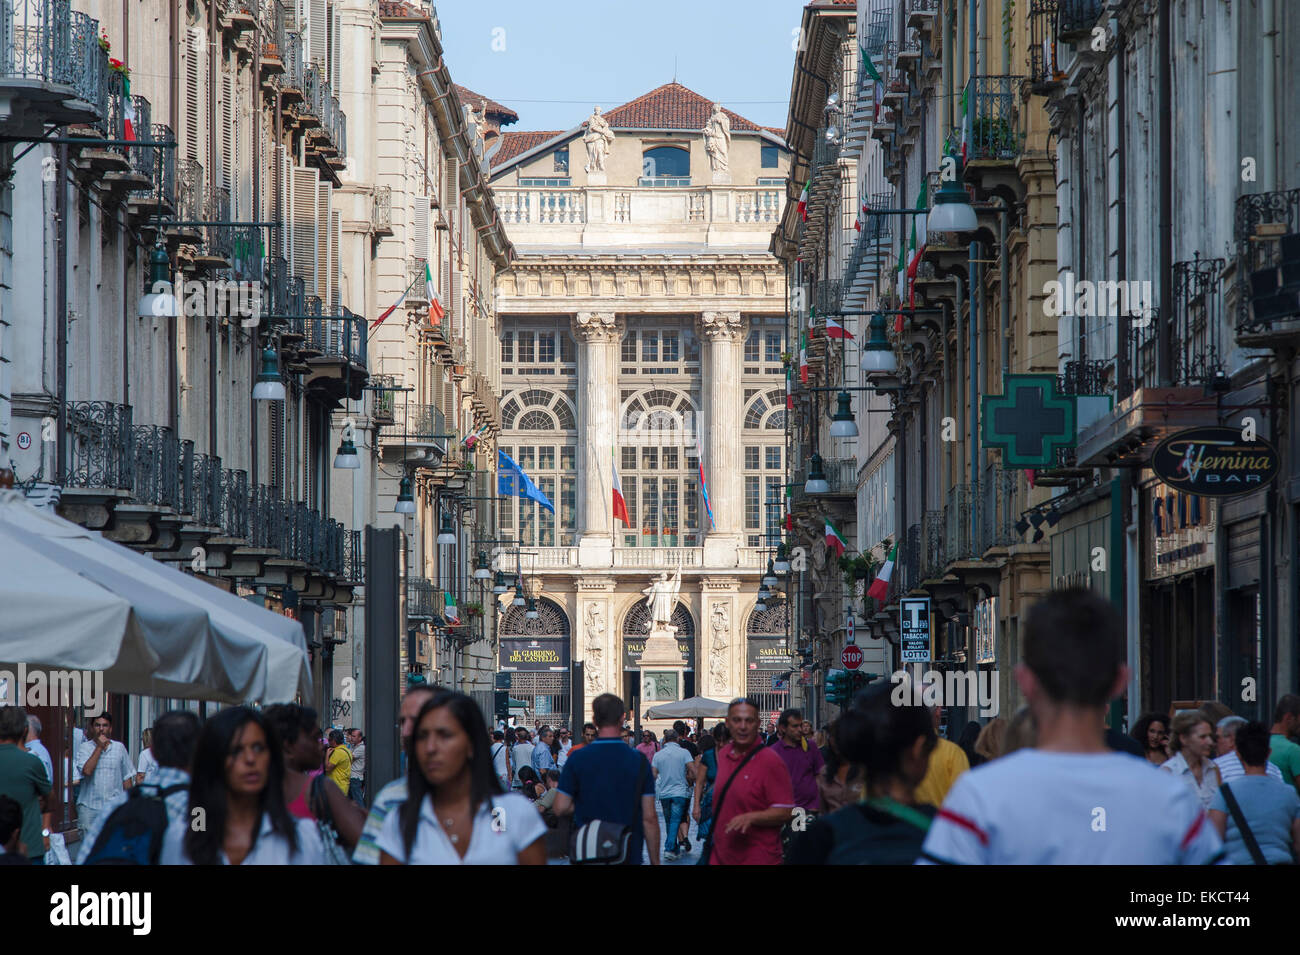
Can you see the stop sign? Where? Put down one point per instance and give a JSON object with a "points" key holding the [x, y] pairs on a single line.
{"points": [[851, 657]]}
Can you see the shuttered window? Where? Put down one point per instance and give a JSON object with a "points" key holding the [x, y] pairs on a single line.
{"points": [[195, 86], [317, 18], [420, 228], [303, 226], [323, 244], [226, 156]]}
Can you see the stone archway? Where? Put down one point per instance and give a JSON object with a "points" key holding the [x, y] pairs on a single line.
{"points": [[536, 654]]}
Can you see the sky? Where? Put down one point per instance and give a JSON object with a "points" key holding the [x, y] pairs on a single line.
{"points": [[551, 62]]}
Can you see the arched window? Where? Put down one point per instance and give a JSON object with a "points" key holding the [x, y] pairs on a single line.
{"points": [[544, 424], [764, 464], [552, 621], [665, 162]]}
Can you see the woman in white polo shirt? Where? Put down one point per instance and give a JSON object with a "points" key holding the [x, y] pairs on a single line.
{"points": [[456, 812], [1192, 739]]}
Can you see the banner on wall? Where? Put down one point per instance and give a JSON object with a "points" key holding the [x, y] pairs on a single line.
{"points": [[524, 655]]}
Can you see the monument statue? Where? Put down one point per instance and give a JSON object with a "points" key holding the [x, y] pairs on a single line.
{"points": [[721, 626], [595, 652], [717, 138], [661, 597], [598, 139]]}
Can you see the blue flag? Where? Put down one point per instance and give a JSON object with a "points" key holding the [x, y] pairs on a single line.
{"points": [[513, 482]]}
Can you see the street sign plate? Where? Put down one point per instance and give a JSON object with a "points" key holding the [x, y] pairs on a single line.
{"points": [[850, 635], [851, 657], [914, 629]]}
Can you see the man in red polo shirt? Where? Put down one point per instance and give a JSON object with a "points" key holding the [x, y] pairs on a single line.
{"points": [[751, 809]]}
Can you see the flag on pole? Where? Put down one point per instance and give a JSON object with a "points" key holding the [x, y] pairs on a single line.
{"points": [[880, 586], [704, 484], [449, 609], [789, 511], [835, 330], [472, 438], [914, 259], [901, 273], [789, 389], [436, 311], [129, 115], [803, 358], [834, 539], [513, 482], [878, 87], [620, 502], [803, 203], [965, 125], [392, 308]]}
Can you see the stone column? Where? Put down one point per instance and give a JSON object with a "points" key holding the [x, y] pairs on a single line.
{"points": [[599, 334], [720, 670], [598, 640], [723, 454]]}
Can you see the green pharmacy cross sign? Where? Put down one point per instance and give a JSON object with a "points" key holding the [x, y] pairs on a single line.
{"points": [[1029, 421]]}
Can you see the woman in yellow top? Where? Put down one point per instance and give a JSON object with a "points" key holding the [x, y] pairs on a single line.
{"points": [[338, 761]]}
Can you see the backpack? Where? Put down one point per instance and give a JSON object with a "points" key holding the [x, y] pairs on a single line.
{"points": [[133, 832]]}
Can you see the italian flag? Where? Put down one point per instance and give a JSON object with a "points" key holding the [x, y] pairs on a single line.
{"points": [[914, 254], [129, 115], [835, 540], [878, 90], [620, 502], [803, 358], [965, 125], [901, 273], [449, 609], [472, 438], [880, 586], [835, 330], [803, 203], [436, 311], [789, 389], [789, 511]]}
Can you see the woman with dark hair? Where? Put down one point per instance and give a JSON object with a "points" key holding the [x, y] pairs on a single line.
{"points": [[702, 791], [840, 781], [237, 788], [308, 793], [531, 787], [893, 745], [455, 812], [1152, 733]]}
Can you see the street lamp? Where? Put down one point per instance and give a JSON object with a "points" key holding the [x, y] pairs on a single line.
{"points": [[769, 579], [782, 563], [952, 210], [531, 613], [816, 483], [159, 302], [519, 600], [877, 355], [446, 533], [842, 424], [499, 584], [481, 571], [760, 606], [269, 387], [405, 499], [347, 457]]}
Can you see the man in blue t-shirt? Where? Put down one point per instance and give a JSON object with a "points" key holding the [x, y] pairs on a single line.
{"points": [[600, 782]]}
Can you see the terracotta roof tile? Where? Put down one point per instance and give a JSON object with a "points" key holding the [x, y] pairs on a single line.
{"points": [[514, 143], [671, 106], [478, 101]]}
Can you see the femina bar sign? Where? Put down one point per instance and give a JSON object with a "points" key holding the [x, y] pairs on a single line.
{"points": [[534, 655], [1214, 461]]}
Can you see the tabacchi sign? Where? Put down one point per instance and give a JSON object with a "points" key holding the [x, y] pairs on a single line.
{"points": [[1214, 461]]}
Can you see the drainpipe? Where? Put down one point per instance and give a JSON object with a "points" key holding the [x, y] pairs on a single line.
{"points": [[172, 331], [974, 376], [254, 356], [214, 51], [1003, 282], [1081, 242], [1166, 201], [61, 310], [948, 367], [1268, 105], [955, 475], [1123, 371]]}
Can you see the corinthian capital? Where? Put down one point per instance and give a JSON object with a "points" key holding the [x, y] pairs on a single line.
{"points": [[722, 326], [596, 327]]}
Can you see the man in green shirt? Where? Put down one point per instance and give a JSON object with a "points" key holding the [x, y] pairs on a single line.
{"points": [[23, 779], [1282, 752]]}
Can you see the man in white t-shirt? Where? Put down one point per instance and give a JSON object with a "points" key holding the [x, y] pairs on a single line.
{"points": [[501, 759], [1071, 801], [521, 755]]}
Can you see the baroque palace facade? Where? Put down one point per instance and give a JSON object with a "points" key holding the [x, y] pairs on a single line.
{"points": [[643, 324]]}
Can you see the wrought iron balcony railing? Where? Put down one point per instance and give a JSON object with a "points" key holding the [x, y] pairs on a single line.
{"points": [[421, 599], [189, 190], [101, 447], [158, 165], [87, 70], [932, 543], [878, 26], [1267, 236], [341, 335], [201, 488], [1043, 70], [220, 240], [385, 398], [415, 278], [234, 516], [1000, 507], [992, 104], [354, 558], [1196, 315], [294, 79], [962, 524], [907, 572], [271, 25], [157, 466], [1086, 377], [44, 43]]}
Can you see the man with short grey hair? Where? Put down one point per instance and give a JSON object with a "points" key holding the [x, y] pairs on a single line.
{"points": [[36, 747], [1229, 762]]}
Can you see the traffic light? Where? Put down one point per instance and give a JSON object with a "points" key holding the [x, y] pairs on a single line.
{"points": [[839, 687], [501, 703]]}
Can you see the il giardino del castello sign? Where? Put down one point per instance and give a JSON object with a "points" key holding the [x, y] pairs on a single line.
{"points": [[1214, 461]]}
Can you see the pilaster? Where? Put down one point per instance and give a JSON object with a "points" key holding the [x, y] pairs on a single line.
{"points": [[720, 670], [725, 333], [598, 334], [597, 640]]}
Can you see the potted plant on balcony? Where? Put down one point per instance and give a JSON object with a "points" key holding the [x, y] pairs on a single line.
{"points": [[474, 610], [861, 567]]}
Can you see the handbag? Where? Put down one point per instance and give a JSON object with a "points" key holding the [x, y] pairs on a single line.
{"points": [[335, 854], [606, 843], [1248, 837], [707, 851]]}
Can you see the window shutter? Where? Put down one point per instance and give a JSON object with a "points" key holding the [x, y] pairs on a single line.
{"points": [[317, 17], [335, 45], [227, 151], [304, 227], [453, 305], [194, 73], [323, 245], [336, 288], [420, 229]]}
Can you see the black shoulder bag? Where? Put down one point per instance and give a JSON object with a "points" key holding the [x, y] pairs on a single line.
{"points": [[606, 843], [1248, 837], [707, 852]]}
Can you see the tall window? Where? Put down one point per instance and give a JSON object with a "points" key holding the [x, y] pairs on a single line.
{"points": [[764, 345], [764, 442], [538, 350], [667, 350], [542, 427], [561, 157], [659, 469], [666, 166], [770, 157]]}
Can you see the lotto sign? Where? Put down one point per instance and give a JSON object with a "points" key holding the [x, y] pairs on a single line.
{"points": [[851, 657], [914, 629]]}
